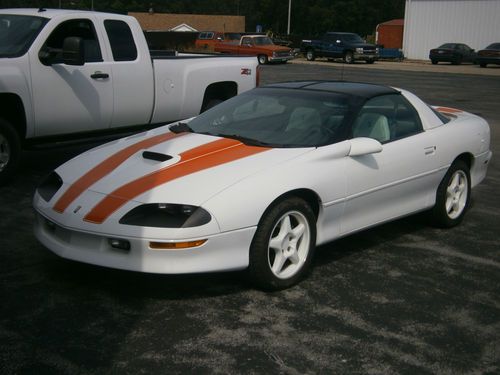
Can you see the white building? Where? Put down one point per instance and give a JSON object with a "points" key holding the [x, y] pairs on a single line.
{"points": [[430, 23]]}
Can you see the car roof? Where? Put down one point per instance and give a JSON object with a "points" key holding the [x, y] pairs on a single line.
{"points": [[365, 90]]}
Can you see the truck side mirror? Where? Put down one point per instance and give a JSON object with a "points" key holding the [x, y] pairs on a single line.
{"points": [[73, 52]]}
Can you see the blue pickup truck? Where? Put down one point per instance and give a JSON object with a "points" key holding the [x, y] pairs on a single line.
{"points": [[348, 46]]}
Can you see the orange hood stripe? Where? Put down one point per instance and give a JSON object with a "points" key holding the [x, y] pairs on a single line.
{"points": [[106, 167], [195, 160]]}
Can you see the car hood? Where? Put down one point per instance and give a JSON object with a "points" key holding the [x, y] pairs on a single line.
{"points": [[156, 167]]}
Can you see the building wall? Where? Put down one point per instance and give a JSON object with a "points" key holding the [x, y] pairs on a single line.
{"points": [[430, 23], [390, 34], [167, 21]]}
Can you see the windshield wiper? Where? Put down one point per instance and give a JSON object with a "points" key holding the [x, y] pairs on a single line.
{"points": [[181, 127], [245, 140]]}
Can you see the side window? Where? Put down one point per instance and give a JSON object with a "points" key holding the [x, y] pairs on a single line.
{"points": [[121, 40], [82, 28], [246, 41], [387, 118]]}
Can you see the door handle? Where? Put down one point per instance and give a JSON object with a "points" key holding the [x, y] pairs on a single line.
{"points": [[99, 75], [430, 150]]}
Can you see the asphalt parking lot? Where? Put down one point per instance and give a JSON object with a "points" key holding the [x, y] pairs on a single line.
{"points": [[400, 298]]}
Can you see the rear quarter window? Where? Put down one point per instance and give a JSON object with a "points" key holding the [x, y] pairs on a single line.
{"points": [[121, 39]]}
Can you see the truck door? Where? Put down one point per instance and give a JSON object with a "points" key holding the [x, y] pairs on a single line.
{"points": [[133, 77], [71, 98]]}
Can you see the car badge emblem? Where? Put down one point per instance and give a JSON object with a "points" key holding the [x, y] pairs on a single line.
{"points": [[77, 209]]}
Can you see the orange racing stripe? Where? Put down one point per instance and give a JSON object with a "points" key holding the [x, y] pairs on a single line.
{"points": [[197, 159], [107, 166], [448, 110]]}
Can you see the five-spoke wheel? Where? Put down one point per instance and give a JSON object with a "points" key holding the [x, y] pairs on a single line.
{"points": [[283, 245]]}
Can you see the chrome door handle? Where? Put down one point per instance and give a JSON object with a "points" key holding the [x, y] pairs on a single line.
{"points": [[99, 75]]}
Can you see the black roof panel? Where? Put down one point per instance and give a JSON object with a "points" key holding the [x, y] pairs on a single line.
{"points": [[365, 90]]}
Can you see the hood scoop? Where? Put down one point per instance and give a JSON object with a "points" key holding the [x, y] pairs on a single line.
{"points": [[156, 156]]}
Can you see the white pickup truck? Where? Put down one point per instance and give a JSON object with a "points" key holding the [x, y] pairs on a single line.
{"points": [[73, 74]]}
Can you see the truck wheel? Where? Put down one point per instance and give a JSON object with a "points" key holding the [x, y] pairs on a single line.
{"points": [[10, 150], [434, 62], [370, 61], [310, 56], [348, 57], [283, 246], [262, 59]]}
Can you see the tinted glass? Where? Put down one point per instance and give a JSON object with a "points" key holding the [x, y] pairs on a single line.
{"points": [[17, 33], [279, 117], [121, 40], [82, 28], [387, 118]]}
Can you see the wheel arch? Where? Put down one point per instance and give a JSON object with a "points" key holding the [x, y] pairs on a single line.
{"points": [[12, 110], [308, 195], [219, 91], [467, 158]]}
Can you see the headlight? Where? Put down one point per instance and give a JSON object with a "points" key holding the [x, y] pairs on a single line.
{"points": [[274, 53], [49, 186], [166, 215], [377, 50], [359, 50]]}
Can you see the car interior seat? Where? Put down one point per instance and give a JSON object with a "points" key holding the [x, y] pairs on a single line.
{"points": [[305, 122], [372, 125]]}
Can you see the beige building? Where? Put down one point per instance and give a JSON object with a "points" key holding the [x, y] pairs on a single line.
{"points": [[189, 22]]}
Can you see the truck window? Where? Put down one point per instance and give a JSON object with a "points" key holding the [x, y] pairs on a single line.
{"points": [[82, 28], [121, 40]]}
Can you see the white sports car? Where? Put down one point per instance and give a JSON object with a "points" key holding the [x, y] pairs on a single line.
{"points": [[260, 180]]}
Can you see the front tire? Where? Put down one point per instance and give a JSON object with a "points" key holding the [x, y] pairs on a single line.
{"points": [[10, 150], [283, 245], [262, 59], [310, 55], [452, 196], [349, 57]]}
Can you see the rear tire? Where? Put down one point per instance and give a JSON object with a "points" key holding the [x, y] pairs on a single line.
{"points": [[434, 62], [452, 196], [483, 65], [10, 150], [283, 246]]}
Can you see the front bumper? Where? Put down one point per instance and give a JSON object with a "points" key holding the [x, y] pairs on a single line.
{"points": [[365, 57], [221, 252], [488, 60], [280, 58]]}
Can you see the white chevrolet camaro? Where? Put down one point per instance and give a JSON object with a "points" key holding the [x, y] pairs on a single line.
{"points": [[260, 180]]}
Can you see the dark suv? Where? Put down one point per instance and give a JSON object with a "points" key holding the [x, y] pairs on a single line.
{"points": [[348, 46]]}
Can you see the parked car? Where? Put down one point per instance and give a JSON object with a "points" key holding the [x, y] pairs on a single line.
{"points": [[73, 73], [257, 45], [489, 55], [348, 46], [283, 168], [455, 53], [208, 39]]}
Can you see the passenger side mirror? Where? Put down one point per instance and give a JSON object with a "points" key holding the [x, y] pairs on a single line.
{"points": [[73, 52], [364, 146]]}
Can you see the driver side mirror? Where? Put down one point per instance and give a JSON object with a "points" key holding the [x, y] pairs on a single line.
{"points": [[364, 146], [73, 52]]}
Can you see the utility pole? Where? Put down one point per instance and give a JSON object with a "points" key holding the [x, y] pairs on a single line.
{"points": [[289, 14]]}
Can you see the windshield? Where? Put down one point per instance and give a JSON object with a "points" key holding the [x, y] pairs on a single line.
{"points": [[352, 38], [494, 46], [17, 33], [278, 118], [263, 41]]}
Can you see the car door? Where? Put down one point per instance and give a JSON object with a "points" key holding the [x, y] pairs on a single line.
{"points": [[400, 179], [70, 98]]}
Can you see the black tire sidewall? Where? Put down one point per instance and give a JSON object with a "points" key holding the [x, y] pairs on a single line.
{"points": [[259, 270], [348, 60], [263, 58], [10, 134], [439, 216]]}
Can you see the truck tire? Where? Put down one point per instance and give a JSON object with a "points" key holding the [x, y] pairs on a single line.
{"points": [[349, 57], [262, 59], [10, 150], [310, 55]]}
